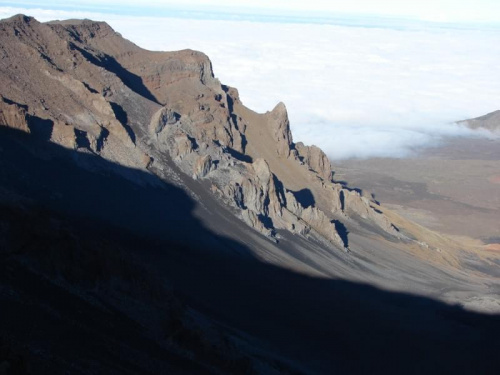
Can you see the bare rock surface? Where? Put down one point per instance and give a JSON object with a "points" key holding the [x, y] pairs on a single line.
{"points": [[212, 196], [316, 159], [81, 85], [92, 90]]}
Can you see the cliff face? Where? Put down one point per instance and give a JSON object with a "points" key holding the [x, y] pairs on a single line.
{"points": [[151, 223], [96, 92]]}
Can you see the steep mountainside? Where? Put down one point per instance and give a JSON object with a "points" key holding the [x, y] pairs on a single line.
{"points": [[151, 222], [491, 122], [147, 106]]}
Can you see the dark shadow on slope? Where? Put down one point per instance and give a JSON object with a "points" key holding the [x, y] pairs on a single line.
{"points": [[374, 198], [320, 325], [11, 102], [82, 140], [342, 200], [132, 81], [342, 231], [230, 105], [239, 156], [92, 90], [346, 186], [40, 128], [121, 116], [305, 197], [194, 144], [244, 142], [102, 195], [102, 139], [280, 190]]}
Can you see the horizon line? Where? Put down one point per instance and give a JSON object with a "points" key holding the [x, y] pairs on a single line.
{"points": [[242, 14]]}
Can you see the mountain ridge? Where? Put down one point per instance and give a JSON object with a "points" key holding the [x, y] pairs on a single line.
{"points": [[141, 109], [159, 169], [490, 121], [213, 120]]}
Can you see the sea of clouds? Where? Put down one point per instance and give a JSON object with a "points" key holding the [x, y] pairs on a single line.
{"points": [[355, 91]]}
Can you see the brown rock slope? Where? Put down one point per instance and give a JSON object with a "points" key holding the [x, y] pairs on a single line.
{"points": [[108, 96], [81, 85], [165, 166]]}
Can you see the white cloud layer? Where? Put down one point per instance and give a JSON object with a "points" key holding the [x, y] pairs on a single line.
{"points": [[433, 10], [353, 91]]}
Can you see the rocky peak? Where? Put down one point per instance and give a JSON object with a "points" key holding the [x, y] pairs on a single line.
{"points": [[19, 27], [315, 159], [19, 19], [281, 129]]}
